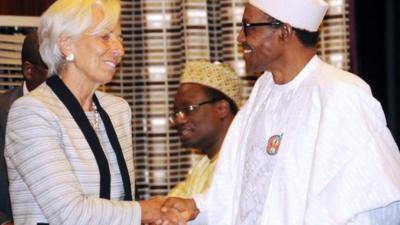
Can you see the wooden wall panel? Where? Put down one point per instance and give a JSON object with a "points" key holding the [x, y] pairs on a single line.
{"points": [[24, 7]]}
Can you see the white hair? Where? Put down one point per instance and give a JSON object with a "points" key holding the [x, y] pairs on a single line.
{"points": [[69, 19]]}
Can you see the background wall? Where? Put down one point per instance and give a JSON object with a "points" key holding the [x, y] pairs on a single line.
{"points": [[24, 7], [378, 54]]}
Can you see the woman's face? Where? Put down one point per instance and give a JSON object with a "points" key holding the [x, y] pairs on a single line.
{"points": [[97, 56]]}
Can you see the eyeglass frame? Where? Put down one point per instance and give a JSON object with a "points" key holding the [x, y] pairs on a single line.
{"points": [[189, 109], [246, 26]]}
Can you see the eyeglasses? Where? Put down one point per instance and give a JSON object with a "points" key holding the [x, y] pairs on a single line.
{"points": [[247, 26], [186, 111]]}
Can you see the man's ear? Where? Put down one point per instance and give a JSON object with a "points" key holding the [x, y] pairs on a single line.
{"points": [[286, 32], [27, 70], [223, 108]]}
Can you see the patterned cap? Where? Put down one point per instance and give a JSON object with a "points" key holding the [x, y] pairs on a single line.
{"points": [[214, 75]]}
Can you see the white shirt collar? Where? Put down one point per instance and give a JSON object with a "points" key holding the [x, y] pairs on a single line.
{"points": [[24, 88], [305, 72]]}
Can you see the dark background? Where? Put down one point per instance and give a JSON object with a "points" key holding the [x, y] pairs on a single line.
{"points": [[375, 47], [378, 54], [24, 7]]}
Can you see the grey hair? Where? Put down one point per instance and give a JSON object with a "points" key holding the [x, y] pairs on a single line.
{"points": [[69, 19]]}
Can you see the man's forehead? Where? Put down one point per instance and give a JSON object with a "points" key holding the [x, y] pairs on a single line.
{"points": [[251, 13], [191, 87], [185, 101], [188, 91]]}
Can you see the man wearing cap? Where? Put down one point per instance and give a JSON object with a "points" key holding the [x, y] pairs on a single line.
{"points": [[311, 145], [205, 105]]}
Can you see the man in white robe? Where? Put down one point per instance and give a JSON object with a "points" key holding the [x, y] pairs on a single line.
{"points": [[310, 146]]}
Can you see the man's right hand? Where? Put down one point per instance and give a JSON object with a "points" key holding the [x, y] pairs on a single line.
{"points": [[186, 207]]}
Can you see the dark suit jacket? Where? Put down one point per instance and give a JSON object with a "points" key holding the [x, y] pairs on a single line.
{"points": [[5, 103]]}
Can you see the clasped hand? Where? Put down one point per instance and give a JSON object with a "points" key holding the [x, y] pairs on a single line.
{"points": [[171, 211]]}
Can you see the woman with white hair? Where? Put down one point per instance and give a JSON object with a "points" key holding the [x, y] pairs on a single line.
{"points": [[68, 146]]}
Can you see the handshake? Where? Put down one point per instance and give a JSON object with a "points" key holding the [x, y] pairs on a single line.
{"points": [[168, 211]]}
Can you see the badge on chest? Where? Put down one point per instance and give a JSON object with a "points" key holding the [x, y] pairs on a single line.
{"points": [[273, 144]]}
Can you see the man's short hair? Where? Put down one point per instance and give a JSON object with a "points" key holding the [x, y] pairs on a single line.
{"points": [[217, 95], [30, 50], [307, 38]]}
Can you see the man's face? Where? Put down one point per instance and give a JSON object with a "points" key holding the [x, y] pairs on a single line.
{"points": [[34, 73], [199, 127], [261, 45], [39, 75]]}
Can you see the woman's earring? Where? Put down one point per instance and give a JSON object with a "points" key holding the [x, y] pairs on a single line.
{"points": [[70, 57]]}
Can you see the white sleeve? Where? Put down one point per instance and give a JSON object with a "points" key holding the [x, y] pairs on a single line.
{"points": [[201, 218], [388, 215]]}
